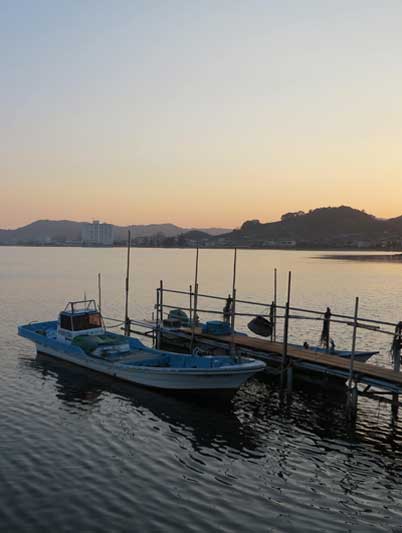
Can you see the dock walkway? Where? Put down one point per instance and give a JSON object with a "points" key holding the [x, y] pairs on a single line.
{"points": [[325, 363]]}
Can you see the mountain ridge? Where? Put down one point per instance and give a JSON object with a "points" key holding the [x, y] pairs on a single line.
{"points": [[70, 231], [321, 226]]}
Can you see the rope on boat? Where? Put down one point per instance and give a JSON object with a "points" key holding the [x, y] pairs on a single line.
{"points": [[116, 325]]}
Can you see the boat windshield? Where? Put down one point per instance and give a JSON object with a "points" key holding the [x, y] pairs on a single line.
{"points": [[81, 322]]}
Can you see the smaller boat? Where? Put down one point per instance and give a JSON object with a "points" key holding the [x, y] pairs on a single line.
{"points": [[79, 336], [347, 354]]}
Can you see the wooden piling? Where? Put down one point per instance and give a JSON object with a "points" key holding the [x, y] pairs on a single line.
{"points": [[286, 331], [396, 357], [396, 348], [99, 293], [326, 329], [274, 303], [191, 303], [289, 377], [233, 310], [158, 329], [161, 302], [194, 317], [352, 357]]}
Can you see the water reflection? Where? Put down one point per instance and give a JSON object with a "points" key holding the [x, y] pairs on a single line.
{"points": [[244, 422], [208, 419]]}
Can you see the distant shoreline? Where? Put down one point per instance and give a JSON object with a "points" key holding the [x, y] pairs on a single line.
{"points": [[387, 258], [387, 255]]}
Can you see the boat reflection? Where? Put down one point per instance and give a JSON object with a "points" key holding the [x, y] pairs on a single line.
{"points": [[247, 423], [205, 419]]}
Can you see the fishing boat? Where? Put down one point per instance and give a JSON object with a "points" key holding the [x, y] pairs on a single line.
{"points": [[79, 336]]}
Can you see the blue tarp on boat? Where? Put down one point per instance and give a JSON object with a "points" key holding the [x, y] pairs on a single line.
{"points": [[216, 327]]}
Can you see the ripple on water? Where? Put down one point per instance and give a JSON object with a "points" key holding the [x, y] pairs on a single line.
{"points": [[79, 452]]}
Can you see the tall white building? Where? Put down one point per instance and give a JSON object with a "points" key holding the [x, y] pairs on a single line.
{"points": [[97, 233]]}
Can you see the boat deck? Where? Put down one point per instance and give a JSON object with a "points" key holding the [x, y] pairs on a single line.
{"points": [[321, 362]]}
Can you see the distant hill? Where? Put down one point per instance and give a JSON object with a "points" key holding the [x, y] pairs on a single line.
{"points": [[43, 231], [323, 226], [196, 235], [47, 231], [168, 230]]}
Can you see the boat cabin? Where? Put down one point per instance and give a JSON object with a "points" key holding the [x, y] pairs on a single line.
{"points": [[80, 318]]}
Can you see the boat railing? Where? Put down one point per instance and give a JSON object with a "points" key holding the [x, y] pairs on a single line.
{"points": [[80, 306]]}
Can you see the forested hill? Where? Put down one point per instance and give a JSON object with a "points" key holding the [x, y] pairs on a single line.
{"points": [[322, 225]]}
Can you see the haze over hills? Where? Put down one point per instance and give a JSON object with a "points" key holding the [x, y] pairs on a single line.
{"points": [[70, 231], [323, 227]]}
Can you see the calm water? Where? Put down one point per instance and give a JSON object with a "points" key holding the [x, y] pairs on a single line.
{"points": [[81, 453]]}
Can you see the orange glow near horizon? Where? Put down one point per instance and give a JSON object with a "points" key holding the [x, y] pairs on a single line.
{"points": [[141, 116]]}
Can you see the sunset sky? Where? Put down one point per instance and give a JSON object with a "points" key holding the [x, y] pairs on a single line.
{"points": [[200, 113]]}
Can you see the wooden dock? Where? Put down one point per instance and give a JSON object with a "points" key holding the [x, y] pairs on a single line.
{"points": [[366, 373]]}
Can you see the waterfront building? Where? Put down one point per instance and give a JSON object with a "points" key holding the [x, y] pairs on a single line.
{"points": [[97, 233]]}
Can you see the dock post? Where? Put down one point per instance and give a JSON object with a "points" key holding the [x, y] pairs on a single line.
{"points": [[195, 288], [191, 303], [351, 402], [289, 376], [396, 357], [126, 317], [395, 404], [233, 310], [274, 303], [194, 318], [161, 302], [286, 332], [272, 313], [326, 330], [99, 293], [352, 357], [396, 348], [158, 330]]}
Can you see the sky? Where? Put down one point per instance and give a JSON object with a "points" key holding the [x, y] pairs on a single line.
{"points": [[196, 112]]}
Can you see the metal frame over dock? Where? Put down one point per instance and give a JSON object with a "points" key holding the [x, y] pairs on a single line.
{"points": [[380, 380]]}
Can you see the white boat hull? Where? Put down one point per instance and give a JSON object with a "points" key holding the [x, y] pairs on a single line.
{"points": [[169, 379]]}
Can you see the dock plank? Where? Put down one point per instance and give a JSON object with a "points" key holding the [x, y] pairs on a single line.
{"points": [[301, 354]]}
